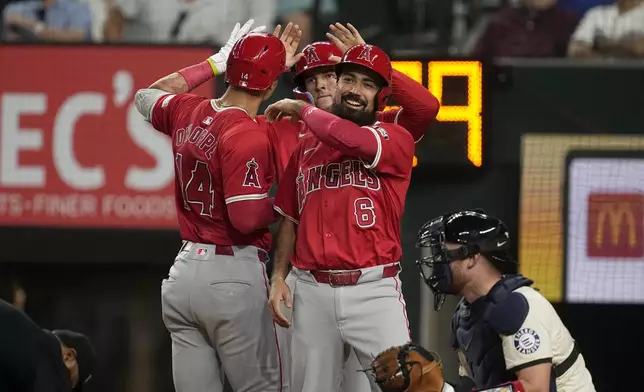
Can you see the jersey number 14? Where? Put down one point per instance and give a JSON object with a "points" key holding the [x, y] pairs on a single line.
{"points": [[198, 188]]}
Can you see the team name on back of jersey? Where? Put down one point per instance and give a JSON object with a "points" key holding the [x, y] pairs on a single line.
{"points": [[348, 173], [198, 136]]}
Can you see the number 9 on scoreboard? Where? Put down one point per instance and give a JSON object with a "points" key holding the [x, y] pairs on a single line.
{"points": [[469, 113]]}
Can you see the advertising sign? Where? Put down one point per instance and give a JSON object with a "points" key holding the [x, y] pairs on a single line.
{"points": [[544, 222], [74, 151], [615, 225], [605, 228]]}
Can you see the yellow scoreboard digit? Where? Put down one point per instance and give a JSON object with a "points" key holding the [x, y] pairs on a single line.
{"points": [[471, 113]]}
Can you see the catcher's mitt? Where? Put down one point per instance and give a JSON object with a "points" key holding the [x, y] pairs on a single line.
{"points": [[408, 368]]}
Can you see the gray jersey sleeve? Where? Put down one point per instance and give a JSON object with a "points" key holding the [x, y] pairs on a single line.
{"points": [[145, 99]]}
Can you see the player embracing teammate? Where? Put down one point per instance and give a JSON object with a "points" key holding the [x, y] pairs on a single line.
{"points": [[214, 300], [342, 196], [226, 160], [316, 83]]}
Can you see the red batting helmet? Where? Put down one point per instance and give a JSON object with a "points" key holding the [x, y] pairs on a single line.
{"points": [[316, 55], [256, 61], [375, 59]]}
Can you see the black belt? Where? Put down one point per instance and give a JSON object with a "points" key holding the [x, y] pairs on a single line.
{"points": [[559, 370]]}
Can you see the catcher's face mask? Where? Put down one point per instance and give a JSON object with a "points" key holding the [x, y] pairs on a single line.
{"points": [[435, 259]]}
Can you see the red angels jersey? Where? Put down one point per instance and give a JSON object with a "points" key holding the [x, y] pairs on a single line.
{"points": [[221, 156], [284, 136], [348, 211]]}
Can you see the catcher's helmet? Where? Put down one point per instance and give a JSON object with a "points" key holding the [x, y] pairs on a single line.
{"points": [[475, 232], [256, 61], [316, 55], [375, 59]]}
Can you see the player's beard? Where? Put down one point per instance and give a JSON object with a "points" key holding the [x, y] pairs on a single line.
{"points": [[360, 117]]}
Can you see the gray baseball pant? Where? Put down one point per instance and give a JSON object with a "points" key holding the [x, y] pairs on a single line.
{"points": [[215, 306]]}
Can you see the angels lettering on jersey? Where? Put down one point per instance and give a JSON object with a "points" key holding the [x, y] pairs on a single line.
{"points": [[349, 172]]}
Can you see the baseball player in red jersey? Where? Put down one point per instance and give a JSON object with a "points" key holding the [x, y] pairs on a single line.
{"points": [[316, 82], [214, 300], [343, 196]]}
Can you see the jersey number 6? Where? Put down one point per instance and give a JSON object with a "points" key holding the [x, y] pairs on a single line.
{"points": [[365, 212], [198, 189]]}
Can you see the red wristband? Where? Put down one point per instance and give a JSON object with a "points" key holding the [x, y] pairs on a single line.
{"points": [[198, 74]]}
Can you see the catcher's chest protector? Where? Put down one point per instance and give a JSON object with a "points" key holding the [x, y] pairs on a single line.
{"points": [[476, 328]]}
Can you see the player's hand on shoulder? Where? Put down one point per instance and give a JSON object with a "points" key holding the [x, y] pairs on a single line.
{"points": [[291, 39], [344, 37], [284, 108], [280, 302]]}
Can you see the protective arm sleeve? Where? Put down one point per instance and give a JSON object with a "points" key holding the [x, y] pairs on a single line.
{"points": [[418, 106], [145, 99], [342, 135]]}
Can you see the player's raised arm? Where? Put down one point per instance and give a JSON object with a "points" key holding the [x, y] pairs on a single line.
{"points": [[363, 83], [418, 106], [189, 78], [247, 174]]}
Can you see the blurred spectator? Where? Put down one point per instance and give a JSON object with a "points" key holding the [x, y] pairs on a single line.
{"points": [[11, 290], [306, 13], [537, 28], [582, 6], [186, 21], [3, 3], [47, 20], [98, 10], [615, 30]]}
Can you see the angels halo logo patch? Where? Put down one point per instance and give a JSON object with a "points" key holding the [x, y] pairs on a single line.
{"points": [[527, 341]]}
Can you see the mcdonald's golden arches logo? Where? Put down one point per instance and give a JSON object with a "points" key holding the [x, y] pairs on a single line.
{"points": [[615, 225]]}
